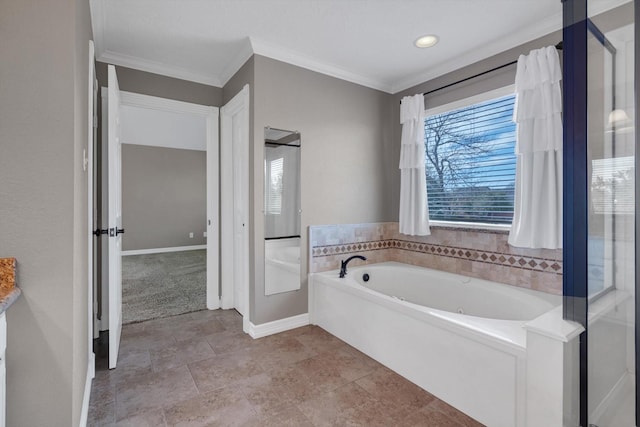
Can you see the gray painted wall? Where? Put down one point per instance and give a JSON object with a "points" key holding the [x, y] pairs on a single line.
{"points": [[43, 131], [163, 197], [137, 81], [344, 130]]}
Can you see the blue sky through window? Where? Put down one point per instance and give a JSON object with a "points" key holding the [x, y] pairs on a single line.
{"points": [[470, 162]]}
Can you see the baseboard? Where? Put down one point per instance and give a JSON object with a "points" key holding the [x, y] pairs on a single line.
{"points": [[91, 372], [270, 328], [163, 250], [619, 390]]}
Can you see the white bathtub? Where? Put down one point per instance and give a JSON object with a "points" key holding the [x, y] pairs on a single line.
{"points": [[462, 339], [282, 266]]}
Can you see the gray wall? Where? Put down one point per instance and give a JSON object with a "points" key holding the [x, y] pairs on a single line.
{"points": [[344, 130], [163, 197], [43, 131], [137, 81], [494, 80]]}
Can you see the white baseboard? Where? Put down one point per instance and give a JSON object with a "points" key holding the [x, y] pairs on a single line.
{"points": [[91, 372], [270, 328], [163, 250], [213, 303]]}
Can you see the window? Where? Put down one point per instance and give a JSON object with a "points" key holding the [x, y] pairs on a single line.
{"points": [[470, 160], [274, 186]]}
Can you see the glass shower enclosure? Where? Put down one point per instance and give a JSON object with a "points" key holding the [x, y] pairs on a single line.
{"points": [[600, 213]]}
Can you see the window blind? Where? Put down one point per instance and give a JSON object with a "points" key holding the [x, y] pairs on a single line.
{"points": [[274, 196], [470, 162]]}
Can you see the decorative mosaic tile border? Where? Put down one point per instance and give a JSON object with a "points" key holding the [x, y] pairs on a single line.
{"points": [[488, 257], [348, 248]]}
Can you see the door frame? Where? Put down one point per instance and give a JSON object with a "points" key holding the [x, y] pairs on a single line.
{"points": [[211, 115], [88, 166], [239, 104]]}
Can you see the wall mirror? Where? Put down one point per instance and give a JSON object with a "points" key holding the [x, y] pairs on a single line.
{"points": [[281, 210]]}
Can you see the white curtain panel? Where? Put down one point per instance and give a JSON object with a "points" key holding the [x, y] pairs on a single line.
{"points": [[537, 218], [414, 211]]}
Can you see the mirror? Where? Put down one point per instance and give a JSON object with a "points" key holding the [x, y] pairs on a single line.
{"points": [[281, 210]]}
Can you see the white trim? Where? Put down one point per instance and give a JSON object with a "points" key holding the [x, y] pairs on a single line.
{"points": [[154, 67], [90, 184], [277, 326], [239, 104], [91, 373], [471, 225], [280, 53], [163, 104], [234, 66], [213, 209], [163, 250], [502, 44], [98, 24]]}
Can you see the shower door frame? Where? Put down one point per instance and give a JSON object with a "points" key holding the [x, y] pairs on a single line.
{"points": [[576, 27]]}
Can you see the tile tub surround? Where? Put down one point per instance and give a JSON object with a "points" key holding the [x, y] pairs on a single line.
{"points": [[484, 254]]}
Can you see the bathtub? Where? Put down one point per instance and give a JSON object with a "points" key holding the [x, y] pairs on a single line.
{"points": [[281, 266], [462, 339]]}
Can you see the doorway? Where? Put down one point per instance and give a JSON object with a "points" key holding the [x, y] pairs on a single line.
{"points": [[167, 121]]}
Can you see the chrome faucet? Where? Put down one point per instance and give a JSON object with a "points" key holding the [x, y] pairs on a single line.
{"points": [[343, 264]]}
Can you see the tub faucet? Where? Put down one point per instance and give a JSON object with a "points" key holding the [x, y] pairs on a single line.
{"points": [[343, 264]]}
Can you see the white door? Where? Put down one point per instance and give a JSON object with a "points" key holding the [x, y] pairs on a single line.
{"points": [[115, 217], [234, 225], [240, 208]]}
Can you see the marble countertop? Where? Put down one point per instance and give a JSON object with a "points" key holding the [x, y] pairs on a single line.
{"points": [[8, 298], [9, 292]]}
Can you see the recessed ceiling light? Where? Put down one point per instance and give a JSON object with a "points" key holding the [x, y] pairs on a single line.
{"points": [[426, 41]]}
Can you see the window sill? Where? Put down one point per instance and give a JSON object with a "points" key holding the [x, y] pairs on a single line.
{"points": [[502, 228]]}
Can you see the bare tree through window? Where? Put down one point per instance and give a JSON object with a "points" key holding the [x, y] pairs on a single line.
{"points": [[470, 162]]}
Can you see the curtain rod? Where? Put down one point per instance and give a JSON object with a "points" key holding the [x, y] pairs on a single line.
{"points": [[558, 46]]}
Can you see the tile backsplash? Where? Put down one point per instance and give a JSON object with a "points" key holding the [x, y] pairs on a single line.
{"points": [[484, 254]]}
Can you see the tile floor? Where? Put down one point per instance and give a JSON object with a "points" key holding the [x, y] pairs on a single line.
{"points": [[200, 369]]}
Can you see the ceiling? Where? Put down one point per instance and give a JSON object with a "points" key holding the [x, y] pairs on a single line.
{"points": [[369, 42]]}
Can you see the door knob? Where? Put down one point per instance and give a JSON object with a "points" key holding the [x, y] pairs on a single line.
{"points": [[119, 231]]}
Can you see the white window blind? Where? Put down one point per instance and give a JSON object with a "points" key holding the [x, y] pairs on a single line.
{"points": [[612, 189], [470, 162], [274, 188]]}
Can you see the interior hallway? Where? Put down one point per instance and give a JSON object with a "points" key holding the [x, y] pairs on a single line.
{"points": [[200, 369]]}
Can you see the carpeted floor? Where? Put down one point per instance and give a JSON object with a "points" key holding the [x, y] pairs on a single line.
{"points": [[162, 285]]}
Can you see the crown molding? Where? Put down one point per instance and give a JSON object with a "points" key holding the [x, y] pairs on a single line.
{"points": [[98, 17], [237, 62], [527, 34], [298, 59], [157, 68]]}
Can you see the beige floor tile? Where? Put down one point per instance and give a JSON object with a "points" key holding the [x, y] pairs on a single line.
{"points": [[200, 369], [335, 407], [180, 354], [223, 370], [152, 418], [224, 407], [388, 386], [152, 389]]}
